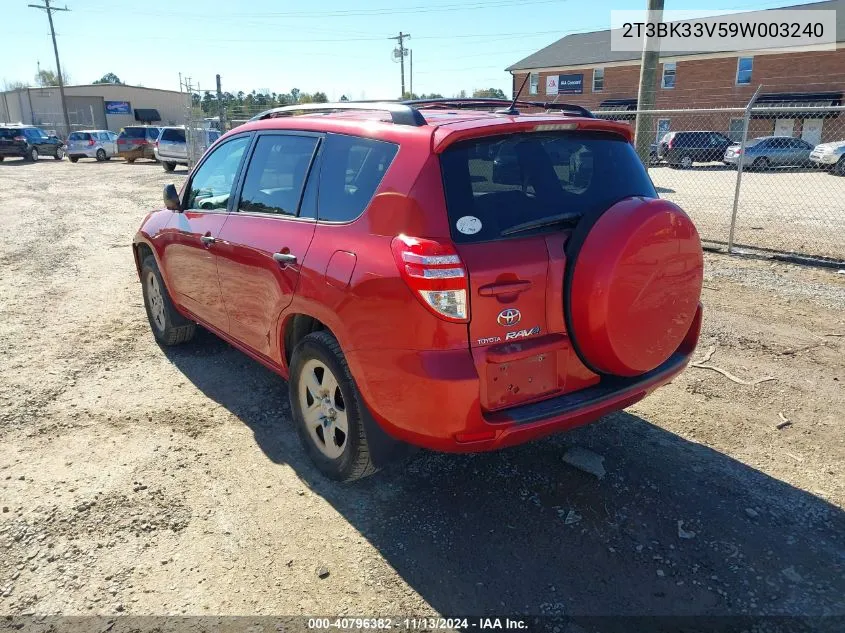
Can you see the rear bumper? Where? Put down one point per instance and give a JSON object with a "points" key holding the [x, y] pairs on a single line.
{"points": [[140, 152], [82, 153], [431, 399]]}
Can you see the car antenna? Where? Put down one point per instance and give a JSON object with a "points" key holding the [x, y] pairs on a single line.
{"points": [[511, 109]]}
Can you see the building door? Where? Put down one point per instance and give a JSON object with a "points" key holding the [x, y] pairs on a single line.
{"points": [[812, 131], [662, 128], [784, 127]]}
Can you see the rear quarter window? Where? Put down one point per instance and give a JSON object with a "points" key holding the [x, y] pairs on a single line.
{"points": [[509, 180], [351, 170], [133, 132]]}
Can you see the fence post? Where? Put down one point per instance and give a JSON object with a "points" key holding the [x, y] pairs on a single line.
{"points": [[746, 119]]}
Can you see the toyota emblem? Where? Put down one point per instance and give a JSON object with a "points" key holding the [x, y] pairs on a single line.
{"points": [[509, 317]]}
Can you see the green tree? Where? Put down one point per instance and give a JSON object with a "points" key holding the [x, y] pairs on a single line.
{"points": [[46, 77], [294, 93], [344, 98], [109, 78], [320, 97], [489, 93]]}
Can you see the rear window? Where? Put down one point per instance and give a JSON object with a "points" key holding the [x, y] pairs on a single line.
{"points": [[79, 136], [175, 135], [351, 171], [494, 184], [9, 132], [134, 132], [153, 132]]}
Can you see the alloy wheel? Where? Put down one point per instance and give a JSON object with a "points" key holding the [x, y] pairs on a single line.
{"points": [[323, 408], [156, 302]]}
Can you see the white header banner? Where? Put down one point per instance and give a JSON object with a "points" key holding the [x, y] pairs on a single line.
{"points": [[687, 31]]}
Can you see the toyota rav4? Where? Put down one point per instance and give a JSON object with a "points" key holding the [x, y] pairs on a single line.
{"points": [[429, 273]]}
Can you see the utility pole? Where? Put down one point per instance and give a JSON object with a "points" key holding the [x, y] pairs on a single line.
{"points": [[411, 58], [49, 10], [221, 109], [643, 136], [401, 39]]}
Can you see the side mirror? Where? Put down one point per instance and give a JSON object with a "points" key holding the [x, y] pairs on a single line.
{"points": [[171, 198]]}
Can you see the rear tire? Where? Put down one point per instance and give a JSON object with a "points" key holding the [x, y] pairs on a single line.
{"points": [[32, 155], [60, 153], [73, 159], [760, 164], [168, 326], [839, 167], [168, 166], [130, 160], [328, 409], [101, 155]]}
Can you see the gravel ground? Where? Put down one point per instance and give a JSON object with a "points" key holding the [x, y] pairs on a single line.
{"points": [[135, 480], [786, 209]]}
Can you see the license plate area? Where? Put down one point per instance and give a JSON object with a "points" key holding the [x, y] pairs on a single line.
{"points": [[512, 382]]}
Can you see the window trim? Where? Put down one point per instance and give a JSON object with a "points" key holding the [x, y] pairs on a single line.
{"points": [[186, 192], [235, 201], [750, 71], [533, 88], [595, 70], [666, 65]]}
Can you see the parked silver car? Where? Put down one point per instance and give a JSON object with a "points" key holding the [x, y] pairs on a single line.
{"points": [[770, 151], [830, 156], [171, 148], [98, 144]]}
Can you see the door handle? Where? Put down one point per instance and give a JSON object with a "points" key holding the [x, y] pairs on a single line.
{"points": [[504, 288], [284, 258], [208, 240]]}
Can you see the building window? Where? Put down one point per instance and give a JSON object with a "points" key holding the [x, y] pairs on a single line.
{"points": [[533, 83], [668, 75], [744, 65], [598, 79]]}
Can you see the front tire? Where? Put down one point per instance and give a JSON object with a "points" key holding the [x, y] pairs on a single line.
{"points": [[73, 159], [32, 155], [168, 166], [328, 410], [168, 326], [60, 153]]}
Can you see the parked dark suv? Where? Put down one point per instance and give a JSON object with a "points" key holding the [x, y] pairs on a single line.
{"points": [[29, 142], [682, 149], [137, 141], [422, 274]]}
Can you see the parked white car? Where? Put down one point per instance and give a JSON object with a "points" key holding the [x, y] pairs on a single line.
{"points": [[98, 144], [171, 148], [830, 156]]}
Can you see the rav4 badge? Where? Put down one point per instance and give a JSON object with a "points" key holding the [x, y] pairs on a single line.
{"points": [[510, 336]]}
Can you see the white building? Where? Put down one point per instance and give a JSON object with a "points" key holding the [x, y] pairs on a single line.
{"points": [[99, 106]]}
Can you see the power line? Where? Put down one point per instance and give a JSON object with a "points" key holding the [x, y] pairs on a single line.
{"points": [[49, 11]]}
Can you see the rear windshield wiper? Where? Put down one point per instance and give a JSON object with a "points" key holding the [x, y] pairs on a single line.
{"points": [[563, 218]]}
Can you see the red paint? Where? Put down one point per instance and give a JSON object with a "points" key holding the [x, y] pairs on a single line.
{"points": [[426, 379]]}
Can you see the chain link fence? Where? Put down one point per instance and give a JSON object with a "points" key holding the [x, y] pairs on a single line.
{"points": [[756, 178]]}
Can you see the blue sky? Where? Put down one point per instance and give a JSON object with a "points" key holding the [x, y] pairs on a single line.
{"points": [[336, 46]]}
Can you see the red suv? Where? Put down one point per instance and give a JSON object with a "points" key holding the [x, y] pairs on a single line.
{"points": [[424, 274]]}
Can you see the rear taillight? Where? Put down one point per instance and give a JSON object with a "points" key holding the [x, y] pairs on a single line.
{"points": [[18, 138], [739, 151], [435, 273], [91, 143], [670, 143], [156, 144]]}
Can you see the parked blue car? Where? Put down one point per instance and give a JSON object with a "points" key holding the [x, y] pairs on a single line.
{"points": [[770, 151]]}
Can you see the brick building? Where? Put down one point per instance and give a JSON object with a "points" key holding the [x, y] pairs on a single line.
{"points": [[582, 69]]}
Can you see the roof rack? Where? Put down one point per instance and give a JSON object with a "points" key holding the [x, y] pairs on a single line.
{"points": [[400, 113], [471, 103]]}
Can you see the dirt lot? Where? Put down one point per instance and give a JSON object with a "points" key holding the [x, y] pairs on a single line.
{"points": [[789, 209], [141, 481]]}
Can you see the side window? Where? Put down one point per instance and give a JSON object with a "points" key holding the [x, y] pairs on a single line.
{"points": [[276, 174], [352, 169], [212, 183]]}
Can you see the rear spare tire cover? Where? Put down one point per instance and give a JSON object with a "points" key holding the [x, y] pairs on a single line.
{"points": [[635, 286]]}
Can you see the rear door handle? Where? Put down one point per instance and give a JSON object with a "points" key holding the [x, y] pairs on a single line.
{"points": [[208, 240], [504, 288], [284, 258]]}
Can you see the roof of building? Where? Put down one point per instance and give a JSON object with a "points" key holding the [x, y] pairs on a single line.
{"points": [[584, 49], [93, 86]]}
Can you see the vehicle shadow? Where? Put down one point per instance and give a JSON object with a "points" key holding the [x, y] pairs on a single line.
{"points": [[674, 528]]}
